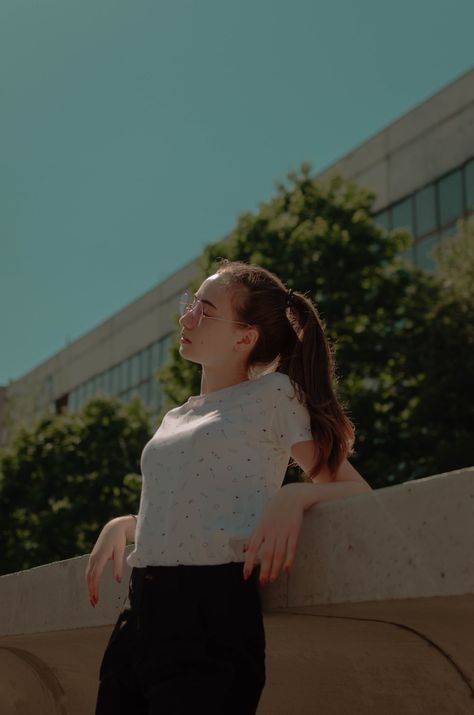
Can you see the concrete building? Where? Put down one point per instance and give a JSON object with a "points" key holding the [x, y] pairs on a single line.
{"points": [[421, 167]]}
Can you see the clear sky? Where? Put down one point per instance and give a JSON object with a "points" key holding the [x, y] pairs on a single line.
{"points": [[133, 133]]}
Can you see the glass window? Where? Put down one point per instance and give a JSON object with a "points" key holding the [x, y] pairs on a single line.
{"points": [[114, 385], [423, 255], [449, 231], [143, 392], [425, 210], [166, 347], [107, 380], [407, 255], [155, 355], [402, 215], [382, 219], [469, 183], [450, 197], [80, 394], [134, 392], [135, 369], [100, 382], [145, 360], [124, 375], [72, 401]]}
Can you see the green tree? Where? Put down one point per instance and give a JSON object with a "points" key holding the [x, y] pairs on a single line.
{"points": [[62, 479], [454, 259], [400, 349]]}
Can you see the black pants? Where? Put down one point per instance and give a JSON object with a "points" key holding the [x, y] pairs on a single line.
{"points": [[191, 639]]}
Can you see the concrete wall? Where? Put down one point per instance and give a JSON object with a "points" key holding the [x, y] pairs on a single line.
{"points": [[422, 145], [376, 615]]}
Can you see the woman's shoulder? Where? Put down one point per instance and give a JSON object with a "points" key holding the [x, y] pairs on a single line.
{"points": [[277, 383]]}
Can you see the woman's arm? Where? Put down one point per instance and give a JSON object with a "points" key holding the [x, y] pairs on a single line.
{"points": [[304, 453], [129, 523], [314, 493]]}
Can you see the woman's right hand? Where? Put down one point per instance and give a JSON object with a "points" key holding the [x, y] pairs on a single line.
{"points": [[109, 545]]}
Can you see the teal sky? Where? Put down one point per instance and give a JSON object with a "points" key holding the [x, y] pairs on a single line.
{"points": [[133, 133]]}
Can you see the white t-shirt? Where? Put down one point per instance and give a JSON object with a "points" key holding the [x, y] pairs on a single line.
{"points": [[211, 468]]}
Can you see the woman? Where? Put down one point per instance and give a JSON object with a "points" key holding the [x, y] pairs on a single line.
{"points": [[211, 506]]}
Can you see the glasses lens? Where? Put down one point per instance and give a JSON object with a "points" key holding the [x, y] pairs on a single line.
{"points": [[184, 304], [194, 305]]}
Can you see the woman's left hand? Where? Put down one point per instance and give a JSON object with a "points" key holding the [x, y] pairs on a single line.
{"points": [[278, 530]]}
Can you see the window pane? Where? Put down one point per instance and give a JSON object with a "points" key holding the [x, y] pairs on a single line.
{"points": [[155, 355], [80, 395], [135, 369], [72, 401], [469, 180], [408, 254], [134, 392], [143, 392], [423, 256], [145, 360], [114, 379], [166, 347], [450, 231], [402, 215], [425, 210], [382, 219], [124, 375], [450, 197]]}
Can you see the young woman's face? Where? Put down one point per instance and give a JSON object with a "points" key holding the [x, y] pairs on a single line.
{"points": [[215, 342]]}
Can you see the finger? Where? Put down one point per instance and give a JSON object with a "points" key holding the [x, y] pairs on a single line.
{"points": [[95, 578], [118, 563], [267, 557], [290, 551], [278, 557], [251, 554]]}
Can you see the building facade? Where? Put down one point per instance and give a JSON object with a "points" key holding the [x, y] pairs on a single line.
{"points": [[421, 168]]}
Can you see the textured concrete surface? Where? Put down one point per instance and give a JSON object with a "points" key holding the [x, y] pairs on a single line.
{"points": [[376, 615]]}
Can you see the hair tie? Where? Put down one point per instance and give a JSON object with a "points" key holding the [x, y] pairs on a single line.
{"points": [[289, 300]]}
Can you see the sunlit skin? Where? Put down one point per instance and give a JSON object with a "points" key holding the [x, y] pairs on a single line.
{"points": [[221, 348]]}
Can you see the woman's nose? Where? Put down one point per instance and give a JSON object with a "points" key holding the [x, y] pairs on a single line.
{"points": [[187, 319]]}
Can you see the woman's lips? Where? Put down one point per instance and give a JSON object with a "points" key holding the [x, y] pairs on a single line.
{"points": [[184, 340]]}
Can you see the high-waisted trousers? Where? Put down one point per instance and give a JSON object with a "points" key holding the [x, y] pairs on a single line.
{"points": [[190, 639]]}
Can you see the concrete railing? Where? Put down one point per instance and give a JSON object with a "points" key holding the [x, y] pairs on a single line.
{"points": [[376, 615]]}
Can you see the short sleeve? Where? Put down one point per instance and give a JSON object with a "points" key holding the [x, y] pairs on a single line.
{"points": [[291, 419]]}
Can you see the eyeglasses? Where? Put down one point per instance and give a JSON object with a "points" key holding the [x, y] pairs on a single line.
{"points": [[197, 314]]}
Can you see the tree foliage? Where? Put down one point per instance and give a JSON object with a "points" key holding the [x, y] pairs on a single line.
{"points": [[62, 479], [400, 344], [454, 259]]}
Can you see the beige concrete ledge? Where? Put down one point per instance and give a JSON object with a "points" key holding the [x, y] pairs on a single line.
{"points": [[376, 615]]}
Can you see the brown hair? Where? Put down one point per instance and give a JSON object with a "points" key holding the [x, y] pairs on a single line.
{"points": [[294, 338]]}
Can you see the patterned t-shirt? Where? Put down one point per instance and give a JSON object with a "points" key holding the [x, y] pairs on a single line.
{"points": [[211, 468]]}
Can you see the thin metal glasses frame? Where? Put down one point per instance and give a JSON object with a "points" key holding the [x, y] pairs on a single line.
{"points": [[196, 308]]}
